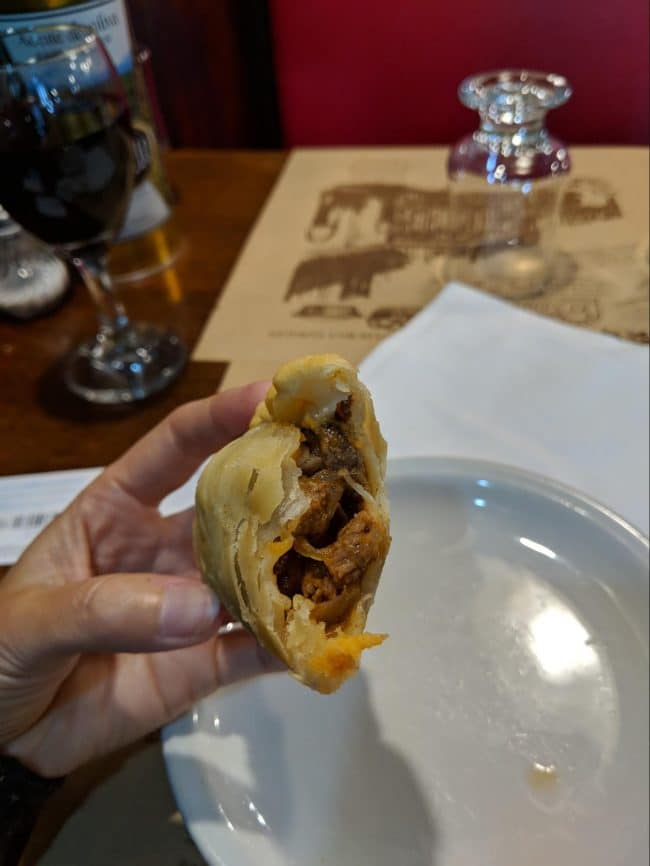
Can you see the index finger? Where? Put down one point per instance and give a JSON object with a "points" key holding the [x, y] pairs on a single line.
{"points": [[170, 453]]}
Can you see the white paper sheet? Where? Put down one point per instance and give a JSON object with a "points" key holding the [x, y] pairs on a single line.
{"points": [[473, 376], [29, 502]]}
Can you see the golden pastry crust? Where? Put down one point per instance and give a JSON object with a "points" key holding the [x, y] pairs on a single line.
{"points": [[255, 502]]}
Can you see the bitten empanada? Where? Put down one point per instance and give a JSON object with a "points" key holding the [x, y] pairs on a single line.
{"points": [[292, 524]]}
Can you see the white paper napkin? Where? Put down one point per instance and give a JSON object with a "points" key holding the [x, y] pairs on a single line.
{"points": [[473, 376]]}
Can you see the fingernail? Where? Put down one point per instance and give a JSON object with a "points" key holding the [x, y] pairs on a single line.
{"points": [[188, 608]]}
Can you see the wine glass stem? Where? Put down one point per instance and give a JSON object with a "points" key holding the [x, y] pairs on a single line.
{"points": [[110, 310]]}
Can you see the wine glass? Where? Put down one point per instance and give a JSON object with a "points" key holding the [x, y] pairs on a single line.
{"points": [[505, 181], [68, 161]]}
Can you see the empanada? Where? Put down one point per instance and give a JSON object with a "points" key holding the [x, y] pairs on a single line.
{"points": [[292, 525]]}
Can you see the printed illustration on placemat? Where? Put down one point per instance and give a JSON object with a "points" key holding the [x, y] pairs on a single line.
{"points": [[365, 239]]}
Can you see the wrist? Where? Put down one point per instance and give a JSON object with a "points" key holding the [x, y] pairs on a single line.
{"points": [[23, 793]]}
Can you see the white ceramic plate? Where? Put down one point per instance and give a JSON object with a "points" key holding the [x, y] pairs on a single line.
{"points": [[504, 723]]}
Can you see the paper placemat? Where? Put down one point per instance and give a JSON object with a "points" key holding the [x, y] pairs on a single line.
{"points": [[350, 245]]}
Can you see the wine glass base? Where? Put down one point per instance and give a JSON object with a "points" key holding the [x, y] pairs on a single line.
{"points": [[515, 273], [137, 362]]}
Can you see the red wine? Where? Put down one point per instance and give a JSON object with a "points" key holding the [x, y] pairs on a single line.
{"points": [[71, 187]]}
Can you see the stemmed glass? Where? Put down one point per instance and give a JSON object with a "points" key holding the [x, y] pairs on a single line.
{"points": [[68, 161], [505, 182]]}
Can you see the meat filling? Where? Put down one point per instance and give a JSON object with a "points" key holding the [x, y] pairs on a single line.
{"points": [[357, 544], [324, 490], [336, 538]]}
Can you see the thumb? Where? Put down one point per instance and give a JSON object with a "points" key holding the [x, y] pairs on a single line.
{"points": [[113, 613]]}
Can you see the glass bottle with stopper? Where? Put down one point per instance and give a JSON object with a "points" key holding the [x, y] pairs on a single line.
{"points": [[505, 183]]}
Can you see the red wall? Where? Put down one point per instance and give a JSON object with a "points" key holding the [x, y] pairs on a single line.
{"points": [[385, 71]]}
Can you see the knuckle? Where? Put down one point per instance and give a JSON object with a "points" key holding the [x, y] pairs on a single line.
{"points": [[177, 427], [88, 610]]}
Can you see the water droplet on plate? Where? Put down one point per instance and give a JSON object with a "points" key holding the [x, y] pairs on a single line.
{"points": [[542, 775]]}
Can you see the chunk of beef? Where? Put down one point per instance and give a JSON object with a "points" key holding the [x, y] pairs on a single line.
{"points": [[358, 543], [317, 584], [309, 458], [324, 490], [339, 453]]}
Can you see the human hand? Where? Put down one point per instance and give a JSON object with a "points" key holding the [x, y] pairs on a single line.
{"points": [[106, 631]]}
